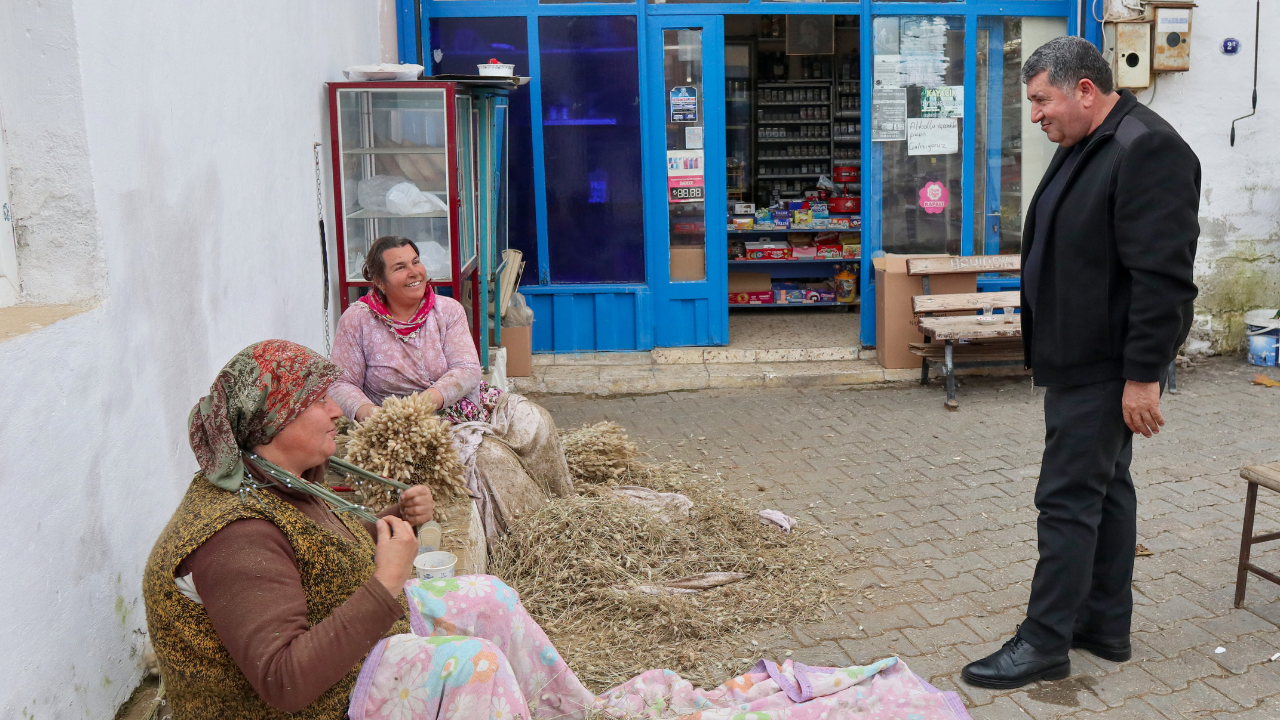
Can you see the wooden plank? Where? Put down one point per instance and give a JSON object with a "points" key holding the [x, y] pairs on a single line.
{"points": [[921, 304], [996, 349], [1267, 476], [968, 327], [965, 351], [964, 264]]}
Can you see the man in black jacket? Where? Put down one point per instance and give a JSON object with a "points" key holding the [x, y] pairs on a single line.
{"points": [[1108, 247]]}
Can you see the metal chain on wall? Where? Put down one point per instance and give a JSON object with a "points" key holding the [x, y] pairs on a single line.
{"points": [[324, 246]]}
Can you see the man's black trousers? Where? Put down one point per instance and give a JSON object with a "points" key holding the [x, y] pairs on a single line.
{"points": [[1087, 525]]}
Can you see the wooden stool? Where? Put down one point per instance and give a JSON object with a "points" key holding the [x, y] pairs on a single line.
{"points": [[1267, 476]]}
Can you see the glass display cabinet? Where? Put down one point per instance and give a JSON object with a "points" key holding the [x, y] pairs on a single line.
{"points": [[424, 160]]}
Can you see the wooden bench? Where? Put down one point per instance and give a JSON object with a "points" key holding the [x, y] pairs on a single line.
{"points": [[1267, 476], [965, 341]]}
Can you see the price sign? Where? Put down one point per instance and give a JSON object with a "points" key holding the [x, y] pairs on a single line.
{"points": [[686, 194], [685, 177]]}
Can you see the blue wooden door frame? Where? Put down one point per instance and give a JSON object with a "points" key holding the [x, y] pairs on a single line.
{"points": [[687, 312]]}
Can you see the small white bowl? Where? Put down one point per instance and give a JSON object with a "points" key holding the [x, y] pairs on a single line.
{"points": [[435, 565], [497, 69]]}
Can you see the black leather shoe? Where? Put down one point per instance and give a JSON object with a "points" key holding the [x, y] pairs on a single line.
{"points": [[1115, 648], [1015, 665]]}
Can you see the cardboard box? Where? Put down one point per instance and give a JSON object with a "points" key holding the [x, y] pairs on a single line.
{"points": [[519, 344], [744, 223], [749, 288], [788, 293], [688, 262], [744, 208], [767, 251], [896, 327]]}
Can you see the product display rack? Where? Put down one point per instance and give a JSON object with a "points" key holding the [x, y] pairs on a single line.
{"points": [[801, 129]]}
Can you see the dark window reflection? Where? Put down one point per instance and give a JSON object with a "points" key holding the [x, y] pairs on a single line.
{"points": [[591, 141], [467, 42]]}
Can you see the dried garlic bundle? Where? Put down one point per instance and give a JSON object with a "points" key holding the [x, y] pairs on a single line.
{"points": [[598, 453], [405, 440]]}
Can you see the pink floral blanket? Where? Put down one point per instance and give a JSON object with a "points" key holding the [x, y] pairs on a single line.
{"points": [[476, 653]]}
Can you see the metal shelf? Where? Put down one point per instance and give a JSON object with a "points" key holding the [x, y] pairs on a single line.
{"points": [[396, 151], [849, 115], [795, 157], [363, 214], [796, 83], [797, 102], [790, 262], [789, 177], [847, 138], [814, 121], [791, 305], [793, 140]]}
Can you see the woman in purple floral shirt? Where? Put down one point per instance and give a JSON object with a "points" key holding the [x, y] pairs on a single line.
{"points": [[403, 338]]}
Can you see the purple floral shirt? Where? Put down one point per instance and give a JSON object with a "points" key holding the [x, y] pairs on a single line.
{"points": [[377, 364]]}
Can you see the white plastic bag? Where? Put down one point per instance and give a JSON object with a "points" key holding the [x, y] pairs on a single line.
{"points": [[519, 314], [394, 194], [434, 258], [407, 199]]}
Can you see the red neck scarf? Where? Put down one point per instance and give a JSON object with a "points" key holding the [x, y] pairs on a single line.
{"points": [[403, 330]]}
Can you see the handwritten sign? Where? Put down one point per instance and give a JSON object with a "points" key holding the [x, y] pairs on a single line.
{"points": [[933, 136]]}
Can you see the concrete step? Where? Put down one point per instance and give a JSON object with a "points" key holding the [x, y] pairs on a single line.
{"points": [[621, 379]]}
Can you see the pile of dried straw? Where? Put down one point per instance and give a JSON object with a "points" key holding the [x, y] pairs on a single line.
{"points": [[405, 440], [599, 453], [568, 559]]}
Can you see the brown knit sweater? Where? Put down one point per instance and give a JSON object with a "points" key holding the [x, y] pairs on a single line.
{"points": [[247, 578]]}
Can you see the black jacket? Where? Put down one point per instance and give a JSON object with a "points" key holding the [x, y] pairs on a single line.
{"points": [[1115, 286]]}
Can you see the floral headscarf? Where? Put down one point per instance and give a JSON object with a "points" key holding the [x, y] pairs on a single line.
{"points": [[262, 389]]}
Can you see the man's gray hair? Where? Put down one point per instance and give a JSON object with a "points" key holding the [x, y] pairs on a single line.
{"points": [[1068, 61]]}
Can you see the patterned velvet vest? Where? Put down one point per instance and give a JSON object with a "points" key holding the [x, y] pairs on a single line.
{"points": [[200, 677]]}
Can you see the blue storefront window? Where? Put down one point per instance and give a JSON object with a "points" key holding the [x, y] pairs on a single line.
{"points": [[465, 43], [591, 140]]}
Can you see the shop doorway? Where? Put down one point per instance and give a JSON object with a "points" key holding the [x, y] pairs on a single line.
{"points": [[793, 180], [686, 70]]}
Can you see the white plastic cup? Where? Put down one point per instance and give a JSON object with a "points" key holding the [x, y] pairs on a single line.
{"points": [[435, 565]]}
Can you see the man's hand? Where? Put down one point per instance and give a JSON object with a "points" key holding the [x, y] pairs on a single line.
{"points": [[416, 505], [1141, 405], [393, 559]]}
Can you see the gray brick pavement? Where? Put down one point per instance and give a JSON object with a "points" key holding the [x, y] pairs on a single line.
{"points": [[936, 510]]}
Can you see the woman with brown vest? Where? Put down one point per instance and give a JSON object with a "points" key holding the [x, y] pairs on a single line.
{"points": [[261, 600]]}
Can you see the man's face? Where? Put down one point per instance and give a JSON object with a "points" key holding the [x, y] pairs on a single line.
{"points": [[1064, 116]]}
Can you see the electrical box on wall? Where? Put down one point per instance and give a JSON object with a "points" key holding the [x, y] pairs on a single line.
{"points": [[1171, 43], [1133, 54]]}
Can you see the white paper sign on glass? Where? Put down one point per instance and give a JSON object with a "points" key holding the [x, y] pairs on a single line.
{"points": [[933, 136]]}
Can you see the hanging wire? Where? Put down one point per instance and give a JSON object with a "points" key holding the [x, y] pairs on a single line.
{"points": [[324, 246]]}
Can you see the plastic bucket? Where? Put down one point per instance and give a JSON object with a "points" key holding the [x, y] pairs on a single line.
{"points": [[1263, 332], [433, 565]]}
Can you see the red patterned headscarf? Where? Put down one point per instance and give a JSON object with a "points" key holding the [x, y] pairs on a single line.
{"points": [[262, 389], [403, 330]]}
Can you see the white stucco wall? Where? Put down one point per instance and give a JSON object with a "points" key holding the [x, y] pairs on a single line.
{"points": [[1238, 262], [184, 134], [56, 228]]}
